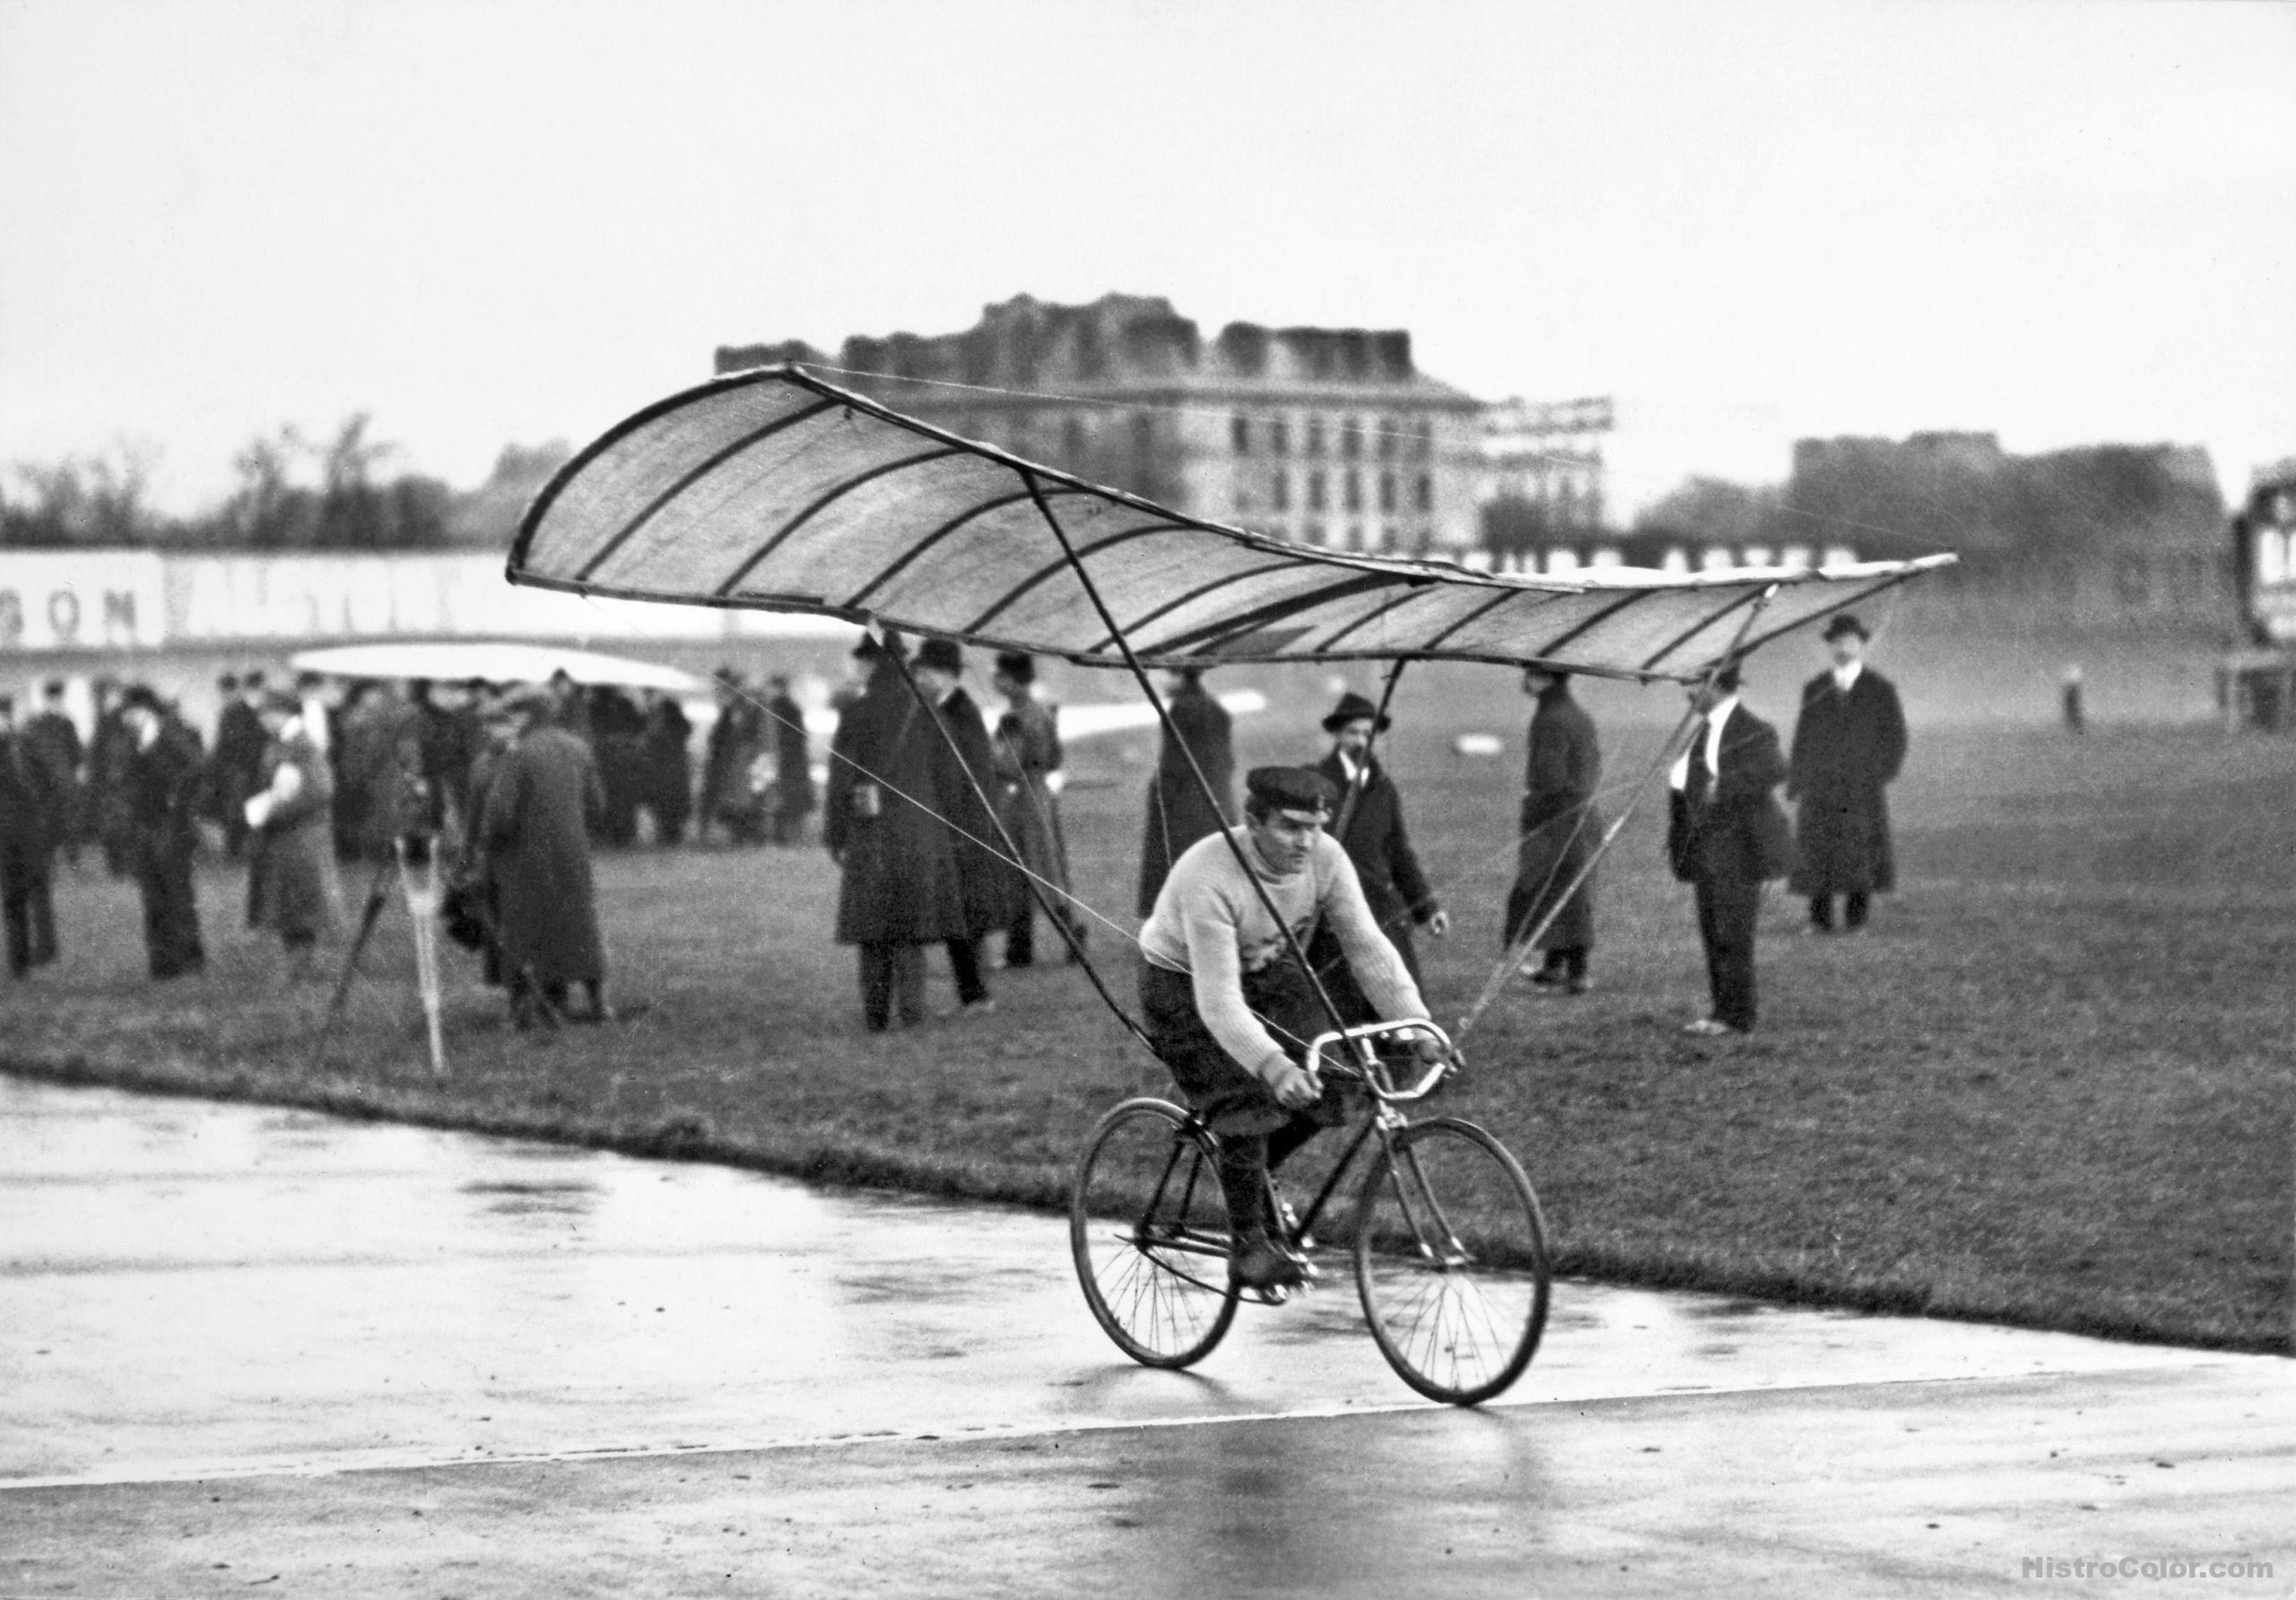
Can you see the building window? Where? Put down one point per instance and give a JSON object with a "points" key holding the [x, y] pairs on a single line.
{"points": [[1354, 491], [1388, 427], [1386, 491], [1355, 535], [1350, 438], [1239, 433], [1315, 491], [1422, 437], [1315, 436], [1390, 538], [1423, 493], [1279, 485], [1279, 436]]}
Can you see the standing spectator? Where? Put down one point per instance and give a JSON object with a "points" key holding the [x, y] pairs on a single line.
{"points": [[793, 763], [669, 768], [571, 708], [1726, 837], [1556, 832], [541, 802], [1178, 814], [1370, 827], [375, 757], [618, 741], [899, 890], [963, 776], [2075, 719], [160, 793], [53, 741], [31, 813], [1028, 753], [292, 812], [445, 743], [105, 812], [735, 741], [1849, 743], [235, 764]]}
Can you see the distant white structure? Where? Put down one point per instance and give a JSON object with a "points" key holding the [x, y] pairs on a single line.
{"points": [[1590, 465]]}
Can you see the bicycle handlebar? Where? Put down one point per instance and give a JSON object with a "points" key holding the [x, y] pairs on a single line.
{"points": [[1361, 1035]]}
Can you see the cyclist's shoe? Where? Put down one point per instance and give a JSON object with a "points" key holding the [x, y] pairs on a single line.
{"points": [[1259, 1264]]}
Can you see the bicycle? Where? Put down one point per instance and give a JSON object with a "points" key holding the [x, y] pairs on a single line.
{"points": [[1448, 1243]]}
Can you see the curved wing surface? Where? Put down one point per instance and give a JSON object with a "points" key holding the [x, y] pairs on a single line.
{"points": [[772, 489]]}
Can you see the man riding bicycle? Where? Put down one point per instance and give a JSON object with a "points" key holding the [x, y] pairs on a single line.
{"points": [[1230, 1009]]}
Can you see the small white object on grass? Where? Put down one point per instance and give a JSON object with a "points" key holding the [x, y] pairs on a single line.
{"points": [[1478, 745]]}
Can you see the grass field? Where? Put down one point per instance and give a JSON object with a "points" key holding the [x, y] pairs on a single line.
{"points": [[2050, 1086]]}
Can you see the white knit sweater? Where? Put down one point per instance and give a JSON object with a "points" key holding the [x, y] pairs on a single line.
{"points": [[1210, 925]]}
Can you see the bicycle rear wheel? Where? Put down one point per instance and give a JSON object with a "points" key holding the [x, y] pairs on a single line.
{"points": [[1451, 1261], [1149, 1231]]}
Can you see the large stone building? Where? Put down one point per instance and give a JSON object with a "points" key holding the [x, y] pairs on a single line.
{"points": [[1325, 436]]}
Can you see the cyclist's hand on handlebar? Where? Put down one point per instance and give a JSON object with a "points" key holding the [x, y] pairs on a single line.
{"points": [[1295, 1088], [1432, 1052]]}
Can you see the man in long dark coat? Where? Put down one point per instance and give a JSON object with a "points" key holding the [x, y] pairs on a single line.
{"points": [[542, 802], [104, 809], [963, 777], [1178, 814], [899, 892], [1556, 834], [235, 765], [52, 739], [669, 769], [734, 742], [1368, 822], [793, 763], [1028, 753], [1849, 743], [30, 817], [1726, 837], [160, 770]]}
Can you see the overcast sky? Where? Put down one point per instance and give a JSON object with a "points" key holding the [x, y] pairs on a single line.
{"points": [[497, 221]]}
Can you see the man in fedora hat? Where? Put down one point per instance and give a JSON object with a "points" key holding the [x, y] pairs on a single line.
{"points": [[1850, 743], [964, 775], [1726, 837], [1557, 831], [898, 890], [1229, 1011], [1370, 827]]}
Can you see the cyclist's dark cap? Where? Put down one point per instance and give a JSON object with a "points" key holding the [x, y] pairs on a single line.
{"points": [[1289, 788]]}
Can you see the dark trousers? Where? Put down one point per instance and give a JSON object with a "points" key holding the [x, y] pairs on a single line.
{"points": [[892, 981], [1021, 936], [1571, 960], [1853, 910], [170, 910], [31, 914], [1727, 911], [964, 965]]}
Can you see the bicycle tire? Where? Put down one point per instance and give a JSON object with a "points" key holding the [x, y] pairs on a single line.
{"points": [[1148, 1230], [1451, 1261]]}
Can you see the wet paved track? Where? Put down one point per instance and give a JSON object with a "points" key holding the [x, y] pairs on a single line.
{"points": [[237, 1344]]}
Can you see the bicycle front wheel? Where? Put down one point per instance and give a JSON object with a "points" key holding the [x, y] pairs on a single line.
{"points": [[1451, 1261], [1149, 1231]]}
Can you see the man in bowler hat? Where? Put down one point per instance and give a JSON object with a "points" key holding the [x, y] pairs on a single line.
{"points": [[1370, 827], [1849, 743]]}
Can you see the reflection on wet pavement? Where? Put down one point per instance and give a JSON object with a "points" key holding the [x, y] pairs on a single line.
{"points": [[190, 1289]]}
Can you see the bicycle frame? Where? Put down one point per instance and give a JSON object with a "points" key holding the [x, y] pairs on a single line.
{"points": [[1368, 1069]]}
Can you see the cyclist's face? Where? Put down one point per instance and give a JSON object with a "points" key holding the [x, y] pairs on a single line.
{"points": [[1284, 837]]}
